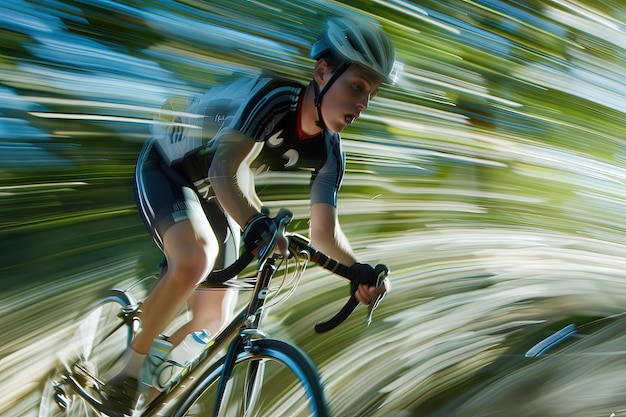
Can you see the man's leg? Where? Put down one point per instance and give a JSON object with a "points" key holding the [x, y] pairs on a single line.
{"points": [[190, 247], [189, 258], [211, 309]]}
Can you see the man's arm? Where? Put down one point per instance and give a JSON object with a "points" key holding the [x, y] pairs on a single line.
{"points": [[230, 175], [327, 236]]}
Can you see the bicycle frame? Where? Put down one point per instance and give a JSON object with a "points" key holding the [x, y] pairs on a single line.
{"points": [[243, 330], [243, 327]]}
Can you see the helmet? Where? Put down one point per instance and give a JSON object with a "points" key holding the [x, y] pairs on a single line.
{"points": [[357, 42]]}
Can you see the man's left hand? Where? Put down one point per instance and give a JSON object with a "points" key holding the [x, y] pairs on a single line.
{"points": [[364, 282]]}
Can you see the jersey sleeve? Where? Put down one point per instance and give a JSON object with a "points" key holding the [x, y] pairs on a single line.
{"points": [[326, 181], [265, 106], [203, 117]]}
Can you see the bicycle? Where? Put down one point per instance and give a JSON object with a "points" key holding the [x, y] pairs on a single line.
{"points": [[217, 384]]}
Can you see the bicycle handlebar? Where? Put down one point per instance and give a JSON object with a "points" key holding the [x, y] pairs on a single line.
{"points": [[298, 244], [381, 272], [220, 276], [216, 277]]}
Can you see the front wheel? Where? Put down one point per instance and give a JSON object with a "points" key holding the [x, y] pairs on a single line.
{"points": [[269, 378], [98, 339]]}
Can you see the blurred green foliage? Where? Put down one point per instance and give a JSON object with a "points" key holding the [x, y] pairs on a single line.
{"points": [[504, 133], [487, 87]]}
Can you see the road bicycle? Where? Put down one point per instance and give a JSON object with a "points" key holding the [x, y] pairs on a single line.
{"points": [[241, 372]]}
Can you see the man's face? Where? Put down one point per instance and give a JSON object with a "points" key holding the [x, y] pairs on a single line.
{"points": [[348, 96]]}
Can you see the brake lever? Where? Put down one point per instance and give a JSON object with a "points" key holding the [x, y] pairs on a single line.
{"points": [[352, 303], [371, 307], [383, 272]]}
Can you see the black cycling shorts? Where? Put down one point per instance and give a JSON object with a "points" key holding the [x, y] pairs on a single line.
{"points": [[164, 197]]}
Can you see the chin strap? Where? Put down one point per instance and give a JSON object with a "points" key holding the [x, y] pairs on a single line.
{"points": [[319, 94]]}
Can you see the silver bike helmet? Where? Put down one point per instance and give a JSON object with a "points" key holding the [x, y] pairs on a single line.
{"points": [[353, 42], [358, 42]]}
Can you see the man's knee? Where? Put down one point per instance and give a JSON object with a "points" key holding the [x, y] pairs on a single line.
{"points": [[190, 266], [190, 253]]}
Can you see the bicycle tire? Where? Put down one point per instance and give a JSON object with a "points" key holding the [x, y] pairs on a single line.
{"points": [[98, 339], [283, 366]]}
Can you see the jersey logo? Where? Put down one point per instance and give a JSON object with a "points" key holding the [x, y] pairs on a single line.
{"points": [[175, 133], [276, 140], [292, 157]]}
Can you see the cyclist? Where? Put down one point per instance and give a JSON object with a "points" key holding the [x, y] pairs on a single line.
{"points": [[195, 181]]}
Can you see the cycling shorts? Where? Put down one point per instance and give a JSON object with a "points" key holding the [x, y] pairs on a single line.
{"points": [[164, 197]]}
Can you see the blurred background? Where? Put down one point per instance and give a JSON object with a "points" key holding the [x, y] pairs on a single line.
{"points": [[490, 178]]}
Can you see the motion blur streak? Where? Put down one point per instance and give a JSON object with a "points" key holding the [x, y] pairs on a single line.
{"points": [[490, 178]]}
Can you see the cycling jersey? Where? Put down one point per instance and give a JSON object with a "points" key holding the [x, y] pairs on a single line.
{"points": [[266, 110], [179, 156]]}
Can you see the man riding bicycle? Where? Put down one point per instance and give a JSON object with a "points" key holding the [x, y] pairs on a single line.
{"points": [[195, 181]]}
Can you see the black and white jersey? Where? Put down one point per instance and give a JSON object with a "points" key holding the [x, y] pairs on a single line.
{"points": [[267, 111]]}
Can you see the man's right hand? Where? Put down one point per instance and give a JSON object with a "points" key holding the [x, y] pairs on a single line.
{"points": [[263, 235], [258, 231]]}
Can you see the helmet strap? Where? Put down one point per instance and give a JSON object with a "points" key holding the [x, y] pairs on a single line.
{"points": [[319, 94]]}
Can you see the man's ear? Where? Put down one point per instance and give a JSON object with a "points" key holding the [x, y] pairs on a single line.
{"points": [[322, 71]]}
